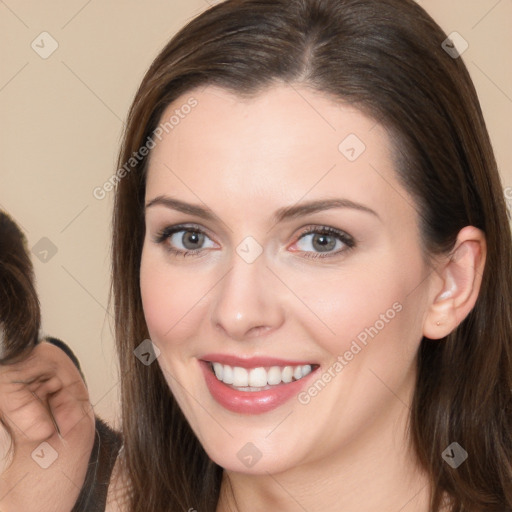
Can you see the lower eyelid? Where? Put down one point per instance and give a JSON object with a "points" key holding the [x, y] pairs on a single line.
{"points": [[326, 255]]}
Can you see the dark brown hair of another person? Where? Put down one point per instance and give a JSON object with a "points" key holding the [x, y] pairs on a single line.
{"points": [[20, 314]]}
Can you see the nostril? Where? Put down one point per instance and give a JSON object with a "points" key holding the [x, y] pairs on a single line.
{"points": [[258, 330]]}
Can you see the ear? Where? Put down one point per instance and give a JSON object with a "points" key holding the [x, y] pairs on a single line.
{"points": [[457, 284]]}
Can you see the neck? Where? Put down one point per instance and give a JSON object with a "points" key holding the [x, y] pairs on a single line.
{"points": [[376, 473]]}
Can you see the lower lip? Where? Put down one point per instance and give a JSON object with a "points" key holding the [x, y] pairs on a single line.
{"points": [[250, 402]]}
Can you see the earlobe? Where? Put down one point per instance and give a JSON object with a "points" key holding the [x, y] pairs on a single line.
{"points": [[459, 286]]}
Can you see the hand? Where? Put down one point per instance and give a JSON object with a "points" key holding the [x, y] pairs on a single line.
{"points": [[44, 399]]}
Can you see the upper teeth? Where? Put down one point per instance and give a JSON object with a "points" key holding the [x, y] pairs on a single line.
{"points": [[259, 377]]}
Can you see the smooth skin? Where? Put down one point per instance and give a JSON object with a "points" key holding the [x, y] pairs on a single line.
{"points": [[43, 399], [244, 160]]}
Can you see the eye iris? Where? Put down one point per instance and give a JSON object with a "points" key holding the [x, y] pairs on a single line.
{"points": [[192, 239], [324, 243]]}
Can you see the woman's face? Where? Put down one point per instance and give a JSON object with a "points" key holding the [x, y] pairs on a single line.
{"points": [[282, 252]]}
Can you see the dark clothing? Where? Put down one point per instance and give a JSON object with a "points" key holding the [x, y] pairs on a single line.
{"points": [[93, 496], [107, 443]]}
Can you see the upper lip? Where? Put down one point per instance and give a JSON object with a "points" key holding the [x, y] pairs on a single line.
{"points": [[251, 362]]}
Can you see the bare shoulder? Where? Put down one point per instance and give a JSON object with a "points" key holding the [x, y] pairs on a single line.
{"points": [[119, 489]]}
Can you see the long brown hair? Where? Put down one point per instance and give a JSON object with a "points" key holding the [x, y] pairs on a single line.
{"points": [[385, 57]]}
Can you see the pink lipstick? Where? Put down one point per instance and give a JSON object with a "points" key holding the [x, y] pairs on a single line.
{"points": [[254, 385]]}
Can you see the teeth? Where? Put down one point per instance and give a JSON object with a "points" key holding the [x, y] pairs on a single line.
{"points": [[287, 374], [259, 377], [240, 377], [219, 370], [227, 374], [274, 376]]}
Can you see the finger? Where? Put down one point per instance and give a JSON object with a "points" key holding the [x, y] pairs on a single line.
{"points": [[27, 412], [30, 424], [69, 410], [17, 396]]}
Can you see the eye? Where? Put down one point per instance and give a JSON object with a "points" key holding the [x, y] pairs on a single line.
{"points": [[184, 240], [322, 242]]}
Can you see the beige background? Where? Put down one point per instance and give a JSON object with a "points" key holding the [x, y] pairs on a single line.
{"points": [[61, 120]]}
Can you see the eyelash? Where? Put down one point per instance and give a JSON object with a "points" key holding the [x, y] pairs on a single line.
{"points": [[167, 232], [345, 238]]}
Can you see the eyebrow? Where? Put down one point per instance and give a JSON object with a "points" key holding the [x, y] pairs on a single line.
{"points": [[286, 213], [181, 206], [299, 210]]}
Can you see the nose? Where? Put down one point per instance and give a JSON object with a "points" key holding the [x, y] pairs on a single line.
{"points": [[246, 302]]}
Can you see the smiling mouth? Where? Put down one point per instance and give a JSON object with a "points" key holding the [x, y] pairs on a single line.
{"points": [[260, 378]]}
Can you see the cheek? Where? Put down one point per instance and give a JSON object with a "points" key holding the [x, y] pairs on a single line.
{"points": [[381, 300], [171, 298]]}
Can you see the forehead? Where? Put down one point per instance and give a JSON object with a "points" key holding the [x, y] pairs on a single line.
{"points": [[285, 144]]}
